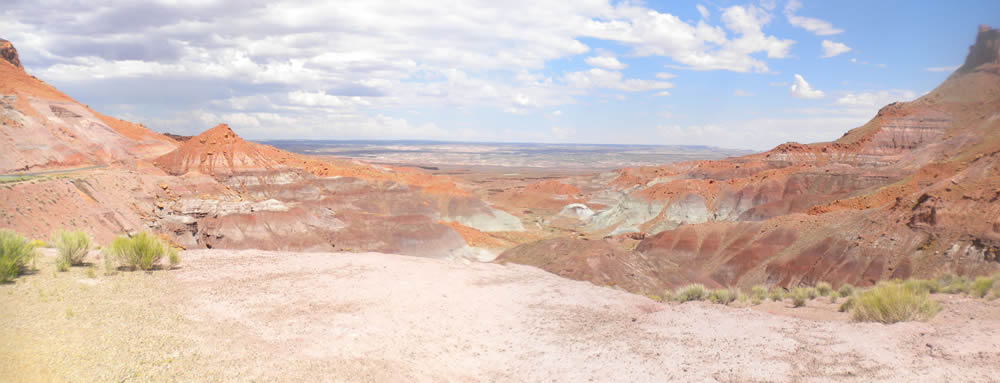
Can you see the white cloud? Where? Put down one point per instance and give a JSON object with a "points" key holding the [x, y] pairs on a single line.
{"points": [[742, 93], [605, 79], [606, 62], [699, 46], [941, 68], [816, 26], [876, 99], [703, 11], [314, 68], [801, 89], [833, 48]]}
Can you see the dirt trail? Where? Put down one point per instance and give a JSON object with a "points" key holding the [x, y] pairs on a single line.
{"points": [[270, 316]]}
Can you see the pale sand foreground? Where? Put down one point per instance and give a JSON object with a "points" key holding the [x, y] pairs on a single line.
{"points": [[267, 316]]}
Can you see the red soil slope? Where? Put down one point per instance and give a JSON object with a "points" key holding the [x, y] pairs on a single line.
{"points": [[915, 191], [48, 129]]}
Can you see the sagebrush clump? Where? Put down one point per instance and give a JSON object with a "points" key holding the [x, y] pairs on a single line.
{"points": [[824, 289], [15, 254], [981, 286], [689, 293], [72, 247], [846, 290], [722, 296], [799, 296], [142, 251], [777, 294], [892, 302]]}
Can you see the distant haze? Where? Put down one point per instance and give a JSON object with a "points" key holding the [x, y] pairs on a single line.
{"points": [[514, 155]]}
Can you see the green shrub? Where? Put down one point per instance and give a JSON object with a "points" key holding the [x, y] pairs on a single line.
{"points": [[777, 294], [72, 246], [926, 285], [758, 291], [846, 290], [981, 286], [892, 302], [957, 285], [824, 289], [15, 253], [668, 295], [833, 296], [722, 296], [847, 305], [143, 251], [811, 292], [689, 293], [799, 296]]}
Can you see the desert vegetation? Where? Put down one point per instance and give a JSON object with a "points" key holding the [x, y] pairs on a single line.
{"points": [[72, 247], [887, 302], [892, 302], [16, 252], [142, 251]]}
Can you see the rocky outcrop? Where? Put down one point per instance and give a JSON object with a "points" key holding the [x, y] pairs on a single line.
{"points": [[986, 50], [9, 54]]}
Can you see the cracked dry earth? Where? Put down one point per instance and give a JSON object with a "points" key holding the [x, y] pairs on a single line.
{"points": [[272, 316]]}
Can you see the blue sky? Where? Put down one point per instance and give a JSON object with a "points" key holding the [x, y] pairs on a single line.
{"points": [[733, 74]]}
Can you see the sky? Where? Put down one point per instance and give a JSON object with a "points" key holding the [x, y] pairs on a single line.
{"points": [[747, 75]]}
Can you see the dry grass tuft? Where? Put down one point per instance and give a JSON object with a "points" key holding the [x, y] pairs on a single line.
{"points": [[892, 302]]}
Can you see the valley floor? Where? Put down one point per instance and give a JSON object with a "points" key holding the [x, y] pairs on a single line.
{"points": [[271, 316]]}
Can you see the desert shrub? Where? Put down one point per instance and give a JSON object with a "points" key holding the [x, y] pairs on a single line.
{"points": [[722, 296], [668, 295], [847, 305], [834, 295], [811, 292], [71, 246], [689, 293], [758, 291], [799, 296], [846, 290], [981, 286], [957, 285], [892, 302], [15, 253], [930, 286], [824, 289], [143, 251], [777, 294]]}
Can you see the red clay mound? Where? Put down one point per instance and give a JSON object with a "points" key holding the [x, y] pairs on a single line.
{"points": [[218, 151]]}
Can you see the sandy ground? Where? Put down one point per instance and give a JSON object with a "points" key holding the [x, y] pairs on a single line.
{"points": [[268, 316]]}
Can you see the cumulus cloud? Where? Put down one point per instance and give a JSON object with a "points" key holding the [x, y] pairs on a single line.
{"points": [[875, 98], [703, 11], [801, 89], [941, 68], [309, 68], [833, 48], [606, 62], [600, 78], [816, 26]]}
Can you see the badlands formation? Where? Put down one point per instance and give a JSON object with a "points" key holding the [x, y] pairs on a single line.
{"points": [[293, 268]]}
